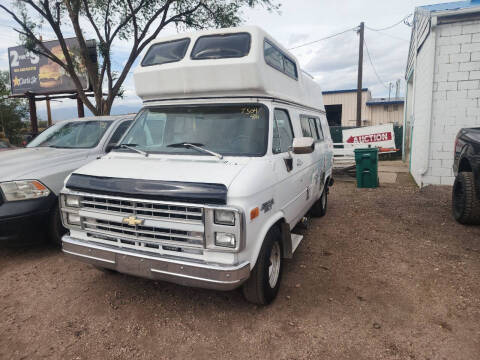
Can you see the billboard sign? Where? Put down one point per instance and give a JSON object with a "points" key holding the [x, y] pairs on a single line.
{"points": [[37, 74]]}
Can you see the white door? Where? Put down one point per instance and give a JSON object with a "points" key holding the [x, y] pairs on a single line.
{"points": [[290, 190]]}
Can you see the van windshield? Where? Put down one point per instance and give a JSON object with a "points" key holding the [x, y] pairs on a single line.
{"points": [[235, 130]]}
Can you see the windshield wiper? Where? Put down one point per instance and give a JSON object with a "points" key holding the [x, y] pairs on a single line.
{"points": [[198, 147], [132, 147]]}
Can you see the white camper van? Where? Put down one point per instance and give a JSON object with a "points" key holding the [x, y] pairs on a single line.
{"points": [[230, 151]]}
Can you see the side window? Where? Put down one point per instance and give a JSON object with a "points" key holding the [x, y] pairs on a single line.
{"points": [[117, 135], [277, 59], [273, 57], [282, 132], [306, 130], [313, 128], [321, 137]]}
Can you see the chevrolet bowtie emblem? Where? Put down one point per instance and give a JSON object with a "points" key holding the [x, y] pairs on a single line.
{"points": [[132, 221]]}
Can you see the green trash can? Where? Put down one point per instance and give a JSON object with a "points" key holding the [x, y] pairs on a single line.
{"points": [[367, 167]]}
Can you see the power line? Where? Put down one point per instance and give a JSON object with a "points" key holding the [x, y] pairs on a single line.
{"points": [[392, 36], [373, 67], [405, 18], [325, 38]]}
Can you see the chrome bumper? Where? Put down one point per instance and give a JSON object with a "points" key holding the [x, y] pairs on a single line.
{"points": [[176, 270]]}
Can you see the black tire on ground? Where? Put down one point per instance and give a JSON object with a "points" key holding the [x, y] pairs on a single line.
{"points": [[56, 229], [465, 203], [258, 288], [319, 209]]}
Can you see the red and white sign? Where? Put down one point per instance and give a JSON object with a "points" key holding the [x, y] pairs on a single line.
{"points": [[381, 136]]}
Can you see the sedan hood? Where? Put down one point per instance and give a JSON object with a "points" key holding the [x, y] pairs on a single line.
{"points": [[196, 169], [30, 163]]}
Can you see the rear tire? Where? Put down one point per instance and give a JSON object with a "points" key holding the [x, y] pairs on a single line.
{"points": [[56, 229], [264, 282], [319, 209], [465, 203]]}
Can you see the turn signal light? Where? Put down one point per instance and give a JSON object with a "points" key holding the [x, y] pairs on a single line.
{"points": [[254, 213]]}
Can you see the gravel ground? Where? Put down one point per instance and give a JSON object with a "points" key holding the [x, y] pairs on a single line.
{"points": [[387, 274]]}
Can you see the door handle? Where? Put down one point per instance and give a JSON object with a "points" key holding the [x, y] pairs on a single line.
{"points": [[299, 162]]}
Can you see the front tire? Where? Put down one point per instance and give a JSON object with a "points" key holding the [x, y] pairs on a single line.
{"points": [[319, 209], [465, 203], [264, 282]]}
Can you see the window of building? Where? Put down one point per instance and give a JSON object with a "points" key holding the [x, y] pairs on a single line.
{"points": [[221, 46], [166, 52], [334, 114], [282, 132], [277, 59]]}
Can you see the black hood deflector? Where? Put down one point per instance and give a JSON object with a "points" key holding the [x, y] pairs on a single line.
{"points": [[177, 191]]}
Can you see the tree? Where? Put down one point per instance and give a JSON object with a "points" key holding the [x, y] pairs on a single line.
{"points": [[110, 21], [12, 111]]}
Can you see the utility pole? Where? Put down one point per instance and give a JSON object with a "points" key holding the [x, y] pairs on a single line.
{"points": [[49, 112], [360, 74]]}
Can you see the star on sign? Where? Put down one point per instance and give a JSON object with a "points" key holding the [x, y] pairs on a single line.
{"points": [[16, 81]]}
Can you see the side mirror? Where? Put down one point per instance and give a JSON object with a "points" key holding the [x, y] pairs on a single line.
{"points": [[303, 145]]}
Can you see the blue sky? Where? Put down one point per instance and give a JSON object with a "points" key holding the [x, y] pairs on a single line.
{"points": [[332, 62]]}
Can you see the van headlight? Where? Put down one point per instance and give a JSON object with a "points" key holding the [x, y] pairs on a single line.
{"points": [[72, 201], [225, 240], [224, 217], [24, 190]]}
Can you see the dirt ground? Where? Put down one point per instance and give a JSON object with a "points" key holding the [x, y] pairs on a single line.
{"points": [[387, 274]]}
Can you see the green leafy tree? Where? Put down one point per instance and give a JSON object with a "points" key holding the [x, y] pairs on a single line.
{"points": [[12, 111], [136, 22]]}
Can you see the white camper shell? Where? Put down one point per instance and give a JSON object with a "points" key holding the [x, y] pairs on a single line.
{"points": [[229, 153]]}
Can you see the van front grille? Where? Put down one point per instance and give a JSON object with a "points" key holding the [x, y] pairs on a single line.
{"points": [[144, 208]]}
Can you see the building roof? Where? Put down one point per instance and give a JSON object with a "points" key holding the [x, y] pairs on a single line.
{"points": [[341, 91], [456, 5], [385, 101]]}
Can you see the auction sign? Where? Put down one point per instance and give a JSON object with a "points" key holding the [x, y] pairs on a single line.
{"points": [[381, 136], [30, 72]]}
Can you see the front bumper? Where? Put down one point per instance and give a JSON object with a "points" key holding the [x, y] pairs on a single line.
{"points": [[25, 221], [158, 267]]}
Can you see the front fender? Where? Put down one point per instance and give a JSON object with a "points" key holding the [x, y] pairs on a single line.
{"points": [[272, 220]]}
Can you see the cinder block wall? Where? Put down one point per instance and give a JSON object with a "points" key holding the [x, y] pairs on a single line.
{"points": [[456, 93]]}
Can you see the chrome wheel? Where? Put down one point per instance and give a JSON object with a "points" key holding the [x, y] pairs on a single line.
{"points": [[324, 199], [274, 268]]}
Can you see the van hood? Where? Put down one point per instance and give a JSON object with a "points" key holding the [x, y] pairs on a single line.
{"points": [[30, 163], [195, 169]]}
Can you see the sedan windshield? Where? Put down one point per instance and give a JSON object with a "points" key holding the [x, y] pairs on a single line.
{"points": [[235, 130], [72, 135]]}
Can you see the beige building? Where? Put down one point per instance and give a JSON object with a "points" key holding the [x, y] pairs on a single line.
{"points": [[341, 107]]}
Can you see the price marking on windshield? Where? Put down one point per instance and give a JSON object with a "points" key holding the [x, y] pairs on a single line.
{"points": [[252, 112]]}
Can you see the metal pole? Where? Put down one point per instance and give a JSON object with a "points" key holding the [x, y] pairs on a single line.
{"points": [[80, 109], [49, 113], [360, 74], [33, 113]]}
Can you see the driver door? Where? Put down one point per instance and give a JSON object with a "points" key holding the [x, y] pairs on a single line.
{"points": [[288, 169]]}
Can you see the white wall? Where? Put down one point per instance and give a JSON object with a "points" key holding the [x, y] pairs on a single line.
{"points": [[423, 85], [456, 93]]}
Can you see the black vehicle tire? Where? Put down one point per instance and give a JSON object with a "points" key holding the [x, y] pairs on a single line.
{"points": [[264, 282], [56, 229], [319, 209], [465, 203]]}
